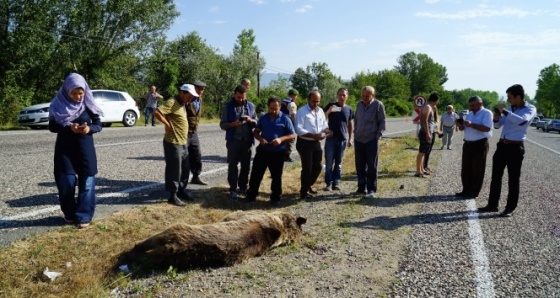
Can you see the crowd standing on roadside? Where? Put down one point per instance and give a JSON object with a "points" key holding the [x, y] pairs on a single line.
{"points": [[75, 117]]}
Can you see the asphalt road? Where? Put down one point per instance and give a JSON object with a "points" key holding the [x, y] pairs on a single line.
{"points": [[131, 173]]}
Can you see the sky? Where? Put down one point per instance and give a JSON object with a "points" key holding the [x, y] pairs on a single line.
{"points": [[485, 45]]}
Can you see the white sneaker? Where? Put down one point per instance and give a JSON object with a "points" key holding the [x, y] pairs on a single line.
{"points": [[369, 195]]}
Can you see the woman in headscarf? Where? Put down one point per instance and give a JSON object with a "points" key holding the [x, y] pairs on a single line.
{"points": [[74, 116]]}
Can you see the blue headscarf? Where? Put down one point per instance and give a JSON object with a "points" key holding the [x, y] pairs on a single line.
{"points": [[64, 109]]}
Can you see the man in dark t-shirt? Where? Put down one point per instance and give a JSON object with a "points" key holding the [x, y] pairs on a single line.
{"points": [[340, 117]]}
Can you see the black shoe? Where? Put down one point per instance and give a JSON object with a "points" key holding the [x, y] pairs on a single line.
{"points": [[175, 201], [249, 199], [312, 190], [275, 203], [360, 192], [306, 195], [183, 196], [487, 209], [506, 213], [196, 180], [336, 187]]}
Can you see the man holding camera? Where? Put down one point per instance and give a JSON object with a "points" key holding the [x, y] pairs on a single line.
{"points": [[478, 129], [510, 149], [238, 120]]}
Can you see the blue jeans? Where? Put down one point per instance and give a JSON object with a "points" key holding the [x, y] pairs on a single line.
{"points": [[79, 210], [149, 112], [366, 164], [334, 151]]}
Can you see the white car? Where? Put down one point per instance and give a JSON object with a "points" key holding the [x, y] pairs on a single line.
{"points": [[117, 106]]}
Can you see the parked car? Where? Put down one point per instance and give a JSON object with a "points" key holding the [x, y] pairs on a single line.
{"points": [[535, 120], [550, 126], [117, 106], [540, 123], [555, 127]]}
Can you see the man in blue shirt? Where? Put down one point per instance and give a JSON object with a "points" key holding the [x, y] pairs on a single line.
{"points": [[510, 149], [273, 131]]}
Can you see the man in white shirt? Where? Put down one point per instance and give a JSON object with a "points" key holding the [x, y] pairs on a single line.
{"points": [[311, 128], [478, 129], [447, 126]]}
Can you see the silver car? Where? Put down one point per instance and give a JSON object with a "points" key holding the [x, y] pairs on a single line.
{"points": [[117, 106]]}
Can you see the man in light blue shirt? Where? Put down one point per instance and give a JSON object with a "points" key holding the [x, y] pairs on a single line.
{"points": [[510, 149], [311, 128]]}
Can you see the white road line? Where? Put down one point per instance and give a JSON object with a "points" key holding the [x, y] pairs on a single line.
{"points": [[122, 193], [543, 146], [484, 281]]}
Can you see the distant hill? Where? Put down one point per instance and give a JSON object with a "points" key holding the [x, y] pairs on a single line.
{"points": [[267, 77]]}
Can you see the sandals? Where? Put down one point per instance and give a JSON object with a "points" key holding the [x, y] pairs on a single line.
{"points": [[419, 175]]}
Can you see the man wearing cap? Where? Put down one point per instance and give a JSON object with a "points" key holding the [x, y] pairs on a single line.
{"points": [[194, 113], [238, 120], [174, 118], [289, 108]]}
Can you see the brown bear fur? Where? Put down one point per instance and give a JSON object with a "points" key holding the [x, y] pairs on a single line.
{"points": [[236, 238]]}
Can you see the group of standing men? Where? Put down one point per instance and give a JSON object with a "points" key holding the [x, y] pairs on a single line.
{"points": [[275, 132], [477, 126]]}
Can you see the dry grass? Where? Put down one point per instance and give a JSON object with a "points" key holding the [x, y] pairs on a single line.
{"points": [[87, 257]]}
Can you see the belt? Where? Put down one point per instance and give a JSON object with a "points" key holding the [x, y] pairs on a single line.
{"points": [[506, 141], [448, 126], [476, 141]]}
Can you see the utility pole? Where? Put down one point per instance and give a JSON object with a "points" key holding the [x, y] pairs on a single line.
{"points": [[258, 77]]}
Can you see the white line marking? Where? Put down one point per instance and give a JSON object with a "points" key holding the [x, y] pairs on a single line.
{"points": [[484, 282], [122, 193], [543, 146]]}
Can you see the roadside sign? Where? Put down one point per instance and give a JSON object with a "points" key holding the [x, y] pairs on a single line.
{"points": [[415, 115], [419, 101]]}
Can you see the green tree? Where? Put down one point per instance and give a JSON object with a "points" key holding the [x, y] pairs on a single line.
{"points": [[548, 88], [316, 75], [424, 74]]}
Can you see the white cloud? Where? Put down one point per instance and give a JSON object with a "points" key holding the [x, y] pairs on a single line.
{"points": [[214, 9], [257, 1], [336, 45], [283, 1], [218, 22], [432, 1], [480, 12], [304, 9]]}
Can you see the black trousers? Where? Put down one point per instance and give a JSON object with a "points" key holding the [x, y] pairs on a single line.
{"points": [[311, 155], [195, 157], [427, 154], [510, 156], [238, 152], [473, 166], [274, 161]]}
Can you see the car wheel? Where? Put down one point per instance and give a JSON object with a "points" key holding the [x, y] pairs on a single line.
{"points": [[129, 119]]}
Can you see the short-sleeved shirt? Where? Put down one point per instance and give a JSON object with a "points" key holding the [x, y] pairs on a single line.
{"points": [[275, 128], [481, 117], [338, 121], [151, 100], [174, 112]]}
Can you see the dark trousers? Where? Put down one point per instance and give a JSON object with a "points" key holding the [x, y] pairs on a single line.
{"points": [[176, 167], [427, 154], [311, 155], [147, 115], [366, 158], [510, 156], [195, 157], [473, 166], [274, 161], [238, 152]]}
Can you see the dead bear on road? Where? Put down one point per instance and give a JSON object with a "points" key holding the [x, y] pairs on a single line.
{"points": [[238, 237]]}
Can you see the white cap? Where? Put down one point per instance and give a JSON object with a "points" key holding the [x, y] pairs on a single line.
{"points": [[190, 89]]}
